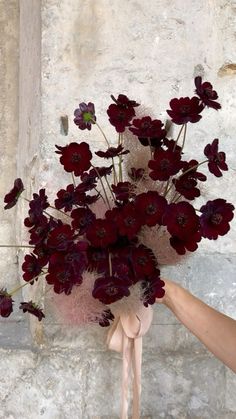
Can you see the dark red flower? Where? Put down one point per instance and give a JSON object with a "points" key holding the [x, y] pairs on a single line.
{"points": [[12, 197], [152, 289], [31, 267], [151, 207], [112, 152], [215, 218], [123, 191], [171, 145], [190, 243], [82, 219], [143, 261], [88, 181], [190, 168], [186, 186], [32, 308], [107, 318], [97, 172], [181, 220], [6, 303], [121, 113], [101, 233], [40, 230], [216, 158], [206, 93], [136, 174], [109, 289], [66, 198], [185, 110], [63, 279], [75, 157], [129, 221], [73, 260], [39, 203], [61, 237], [148, 131], [43, 253], [85, 116], [165, 164]]}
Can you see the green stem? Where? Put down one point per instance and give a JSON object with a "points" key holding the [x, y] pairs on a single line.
{"points": [[16, 246], [102, 184], [23, 285], [73, 179], [102, 132], [185, 131], [177, 139], [112, 194]]}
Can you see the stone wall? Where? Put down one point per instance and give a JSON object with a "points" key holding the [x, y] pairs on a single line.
{"points": [[72, 51]]}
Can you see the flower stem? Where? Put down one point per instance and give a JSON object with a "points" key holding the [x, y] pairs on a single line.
{"points": [[112, 194], [102, 132], [178, 137], [62, 212], [102, 184], [16, 246], [73, 179], [185, 131]]}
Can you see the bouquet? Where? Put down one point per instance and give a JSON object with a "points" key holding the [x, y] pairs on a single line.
{"points": [[104, 217], [101, 243]]}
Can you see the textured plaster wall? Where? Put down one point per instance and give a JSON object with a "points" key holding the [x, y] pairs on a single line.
{"points": [[73, 51]]}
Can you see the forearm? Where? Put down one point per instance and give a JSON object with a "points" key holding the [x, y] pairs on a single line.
{"points": [[214, 329]]}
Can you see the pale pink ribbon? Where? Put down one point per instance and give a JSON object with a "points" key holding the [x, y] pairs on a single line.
{"points": [[125, 336]]}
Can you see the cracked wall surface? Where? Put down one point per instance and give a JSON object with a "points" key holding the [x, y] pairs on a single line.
{"points": [[55, 54]]}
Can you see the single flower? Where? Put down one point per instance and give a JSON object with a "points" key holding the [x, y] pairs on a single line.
{"points": [[85, 116], [185, 110], [215, 218], [165, 164], [109, 289], [121, 113], [75, 157], [148, 131], [32, 308], [6, 303], [181, 220], [206, 93], [216, 159], [12, 197]]}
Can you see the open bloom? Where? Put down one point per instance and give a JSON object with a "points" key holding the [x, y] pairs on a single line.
{"points": [[75, 157], [206, 93], [121, 112], [165, 164], [185, 110], [151, 207], [101, 233], [216, 158], [148, 131], [12, 197], [85, 116], [109, 289], [215, 218], [181, 220]]}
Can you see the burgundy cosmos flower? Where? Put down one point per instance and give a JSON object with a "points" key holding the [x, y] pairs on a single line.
{"points": [[61, 237], [152, 289], [82, 219], [31, 268], [151, 207], [109, 289], [165, 164], [186, 183], [216, 158], [123, 191], [32, 308], [185, 110], [206, 93], [101, 233], [181, 220], [112, 152], [129, 221], [143, 261], [215, 218], [148, 131], [85, 116], [190, 243], [121, 113], [6, 303], [75, 157], [12, 197]]}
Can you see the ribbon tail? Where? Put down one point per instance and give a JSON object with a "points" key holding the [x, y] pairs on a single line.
{"points": [[137, 364], [127, 351]]}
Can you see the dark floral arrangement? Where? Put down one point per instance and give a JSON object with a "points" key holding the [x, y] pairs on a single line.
{"points": [[97, 247]]}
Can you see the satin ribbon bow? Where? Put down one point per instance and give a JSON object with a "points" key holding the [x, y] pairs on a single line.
{"points": [[125, 336]]}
